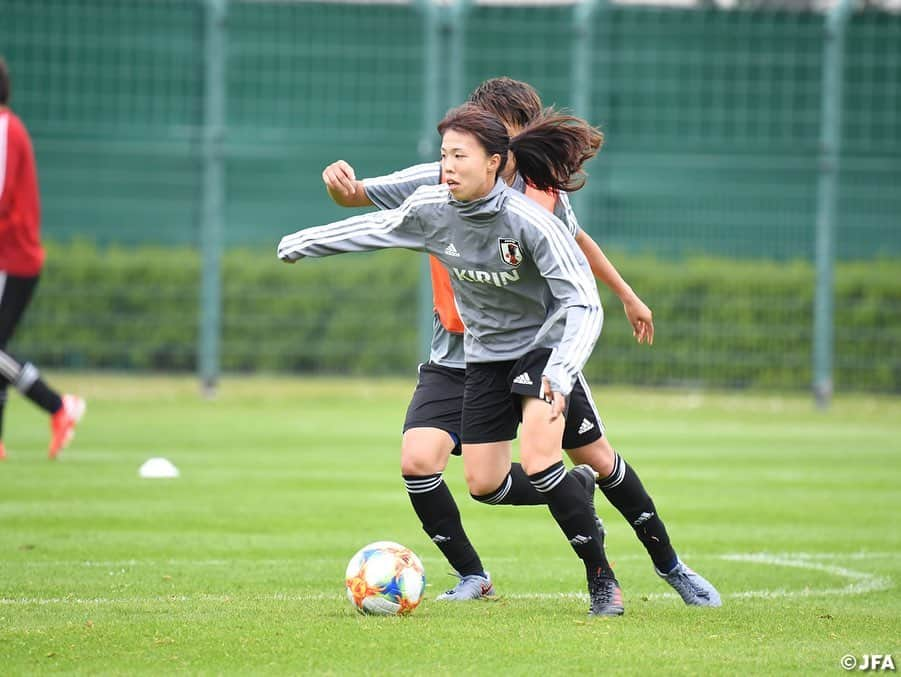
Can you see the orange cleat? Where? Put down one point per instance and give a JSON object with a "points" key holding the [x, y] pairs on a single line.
{"points": [[63, 422], [2, 452]]}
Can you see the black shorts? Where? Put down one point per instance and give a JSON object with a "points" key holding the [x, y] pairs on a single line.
{"points": [[492, 402], [15, 294], [583, 422], [437, 401]]}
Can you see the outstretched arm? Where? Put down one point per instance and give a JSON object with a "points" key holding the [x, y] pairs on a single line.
{"points": [[342, 185], [639, 315], [385, 192], [392, 228]]}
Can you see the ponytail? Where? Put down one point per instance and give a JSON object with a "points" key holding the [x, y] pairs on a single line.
{"points": [[551, 150]]}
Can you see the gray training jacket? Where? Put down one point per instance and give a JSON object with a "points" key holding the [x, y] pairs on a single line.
{"points": [[390, 191], [519, 278]]}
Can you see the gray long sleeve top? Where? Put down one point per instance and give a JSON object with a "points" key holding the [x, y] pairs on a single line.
{"points": [[519, 279], [389, 192]]}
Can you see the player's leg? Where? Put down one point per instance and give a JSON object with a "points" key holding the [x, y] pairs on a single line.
{"points": [[540, 451], [12, 304], [587, 443], [542, 460], [493, 416], [15, 294], [431, 435]]}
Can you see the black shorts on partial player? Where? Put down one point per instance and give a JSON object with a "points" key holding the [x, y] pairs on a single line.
{"points": [[437, 401], [15, 294]]}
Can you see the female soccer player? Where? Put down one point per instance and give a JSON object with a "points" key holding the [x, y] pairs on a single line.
{"points": [[432, 425], [526, 298], [21, 260]]}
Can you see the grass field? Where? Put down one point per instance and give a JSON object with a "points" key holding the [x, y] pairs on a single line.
{"points": [[237, 566]]}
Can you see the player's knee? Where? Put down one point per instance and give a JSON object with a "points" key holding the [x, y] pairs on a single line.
{"points": [[600, 455], [535, 460], [484, 493], [419, 464], [419, 457], [480, 485]]}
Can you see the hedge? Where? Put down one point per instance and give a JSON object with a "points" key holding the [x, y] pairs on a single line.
{"points": [[719, 322]]}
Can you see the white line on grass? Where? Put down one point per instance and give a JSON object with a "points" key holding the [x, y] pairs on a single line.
{"points": [[282, 561], [861, 582]]}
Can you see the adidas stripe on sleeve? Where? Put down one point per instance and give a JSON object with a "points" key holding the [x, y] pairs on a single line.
{"points": [[388, 229], [390, 191], [566, 271]]}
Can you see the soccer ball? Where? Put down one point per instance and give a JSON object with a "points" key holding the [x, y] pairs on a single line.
{"points": [[385, 579]]}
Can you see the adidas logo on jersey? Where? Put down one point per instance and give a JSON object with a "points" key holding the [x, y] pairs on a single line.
{"points": [[523, 379], [585, 426], [451, 250]]}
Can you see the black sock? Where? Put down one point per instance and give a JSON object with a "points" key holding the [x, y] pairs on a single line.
{"points": [[27, 380], [516, 489], [41, 394], [626, 493], [440, 518], [566, 500]]}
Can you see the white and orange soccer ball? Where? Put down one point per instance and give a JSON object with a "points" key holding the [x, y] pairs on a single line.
{"points": [[385, 579]]}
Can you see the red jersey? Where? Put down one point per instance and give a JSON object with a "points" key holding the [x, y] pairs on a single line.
{"points": [[443, 294], [20, 208]]}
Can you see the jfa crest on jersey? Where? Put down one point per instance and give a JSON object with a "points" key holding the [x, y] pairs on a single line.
{"points": [[511, 252]]}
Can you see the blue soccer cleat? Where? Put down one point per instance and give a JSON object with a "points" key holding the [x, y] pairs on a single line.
{"points": [[469, 588], [605, 596], [694, 589]]}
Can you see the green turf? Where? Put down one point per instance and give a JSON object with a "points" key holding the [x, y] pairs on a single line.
{"points": [[237, 566]]}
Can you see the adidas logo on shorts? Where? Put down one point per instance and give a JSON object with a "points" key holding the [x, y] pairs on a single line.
{"points": [[523, 379], [585, 426]]}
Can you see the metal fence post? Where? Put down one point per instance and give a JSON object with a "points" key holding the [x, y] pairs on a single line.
{"points": [[212, 214], [583, 42], [428, 152], [443, 29], [827, 199], [456, 49]]}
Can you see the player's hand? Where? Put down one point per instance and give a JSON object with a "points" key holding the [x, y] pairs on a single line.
{"points": [[642, 320], [552, 397], [339, 177]]}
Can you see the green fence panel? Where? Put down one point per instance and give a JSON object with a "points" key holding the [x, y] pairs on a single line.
{"points": [[712, 124], [310, 83], [111, 92]]}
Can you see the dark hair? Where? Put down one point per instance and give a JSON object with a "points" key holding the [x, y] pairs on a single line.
{"points": [[513, 101], [482, 124], [4, 82], [549, 152]]}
